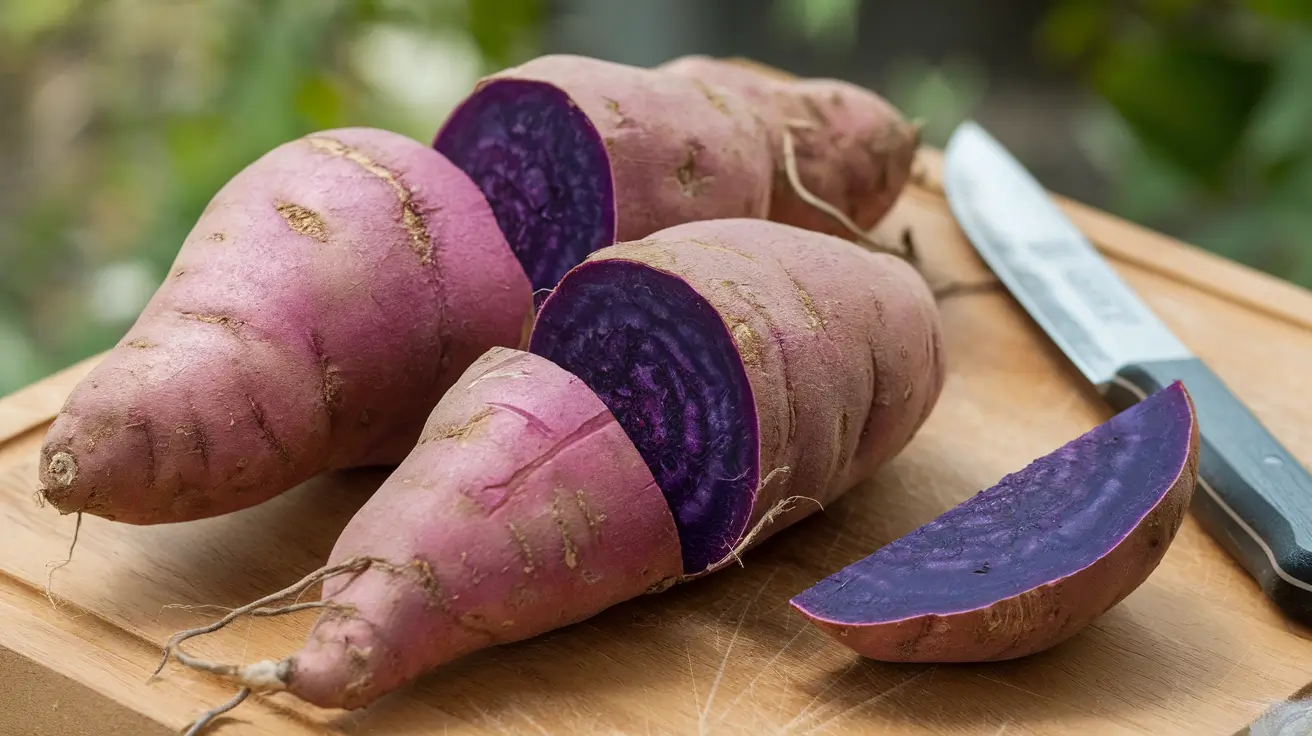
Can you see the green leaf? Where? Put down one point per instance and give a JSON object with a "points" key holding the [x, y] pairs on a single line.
{"points": [[1189, 99]]}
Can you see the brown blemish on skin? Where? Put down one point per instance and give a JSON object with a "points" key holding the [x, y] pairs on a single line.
{"points": [[475, 577], [178, 273], [571, 552], [303, 220], [257, 412], [196, 431], [876, 396], [522, 542], [330, 376], [906, 649], [218, 237], [461, 431], [814, 110], [594, 520], [62, 468], [230, 324], [477, 623], [420, 240], [813, 319], [711, 96], [613, 106], [522, 596], [722, 249], [748, 342], [692, 182], [141, 343], [764, 315], [423, 575]]}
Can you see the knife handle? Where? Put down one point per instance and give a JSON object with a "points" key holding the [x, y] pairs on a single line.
{"points": [[1253, 497]]}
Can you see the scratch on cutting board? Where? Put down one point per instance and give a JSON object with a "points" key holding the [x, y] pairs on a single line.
{"points": [[872, 700], [520, 712], [724, 662], [696, 699], [789, 726], [488, 718], [751, 685]]}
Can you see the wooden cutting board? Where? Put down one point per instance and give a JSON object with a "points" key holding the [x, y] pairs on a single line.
{"points": [[1196, 650]]}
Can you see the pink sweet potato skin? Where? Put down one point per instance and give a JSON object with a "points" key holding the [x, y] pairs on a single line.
{"points": [[842, 347], [1039, 618], [679, 151], [854, 150], [322, 304], [523, 508]]}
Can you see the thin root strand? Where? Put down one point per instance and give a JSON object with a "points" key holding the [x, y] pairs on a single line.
{"points": [[209, 715], [353, 565], [50, 575], [795, 180]]}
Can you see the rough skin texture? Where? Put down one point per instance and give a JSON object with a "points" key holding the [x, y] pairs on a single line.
{"points": [[576, 153], [523, 508], [324, 301], [733, 348], [1030, 562], [854, 150]]}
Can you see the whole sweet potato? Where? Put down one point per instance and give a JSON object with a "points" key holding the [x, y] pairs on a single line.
{"points": [[322, 304], [575, 153], [852, 148]]}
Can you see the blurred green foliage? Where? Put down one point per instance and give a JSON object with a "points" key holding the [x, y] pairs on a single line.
{"points": [[130, 114], [1200, 120], [119, 119]]}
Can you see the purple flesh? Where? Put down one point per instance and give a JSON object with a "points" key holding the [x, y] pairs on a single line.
{"points": [[661, 359], [543, 168], [1053, 518]]}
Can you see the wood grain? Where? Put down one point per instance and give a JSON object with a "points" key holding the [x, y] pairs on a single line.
{"points": [[1196, 650]]}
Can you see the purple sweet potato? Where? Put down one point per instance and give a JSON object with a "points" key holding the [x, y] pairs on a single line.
{"points": [[853, 149], [678, 390], [750, 362], [1028, 563], [322, 304], [523, 508], [575, 153]]}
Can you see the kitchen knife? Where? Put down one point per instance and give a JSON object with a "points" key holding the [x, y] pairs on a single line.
{"points": [[1255, 499]]}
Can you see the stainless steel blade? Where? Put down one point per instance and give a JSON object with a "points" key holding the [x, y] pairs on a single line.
{"points": [[1047, 263]]}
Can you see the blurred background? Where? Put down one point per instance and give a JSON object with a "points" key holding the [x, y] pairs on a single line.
{"points": [[120, 118]]}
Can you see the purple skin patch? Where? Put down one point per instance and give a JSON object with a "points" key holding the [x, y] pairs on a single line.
{"points": [[661, 359], [543, 168], [1053, 518]]}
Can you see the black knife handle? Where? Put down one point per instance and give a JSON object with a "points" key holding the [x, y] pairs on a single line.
{"points": [[1253, 496]]}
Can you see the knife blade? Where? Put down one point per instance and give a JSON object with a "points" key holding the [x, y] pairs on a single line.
{"points": [[1256, 498]]}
